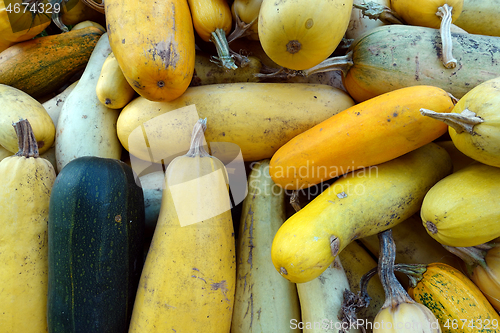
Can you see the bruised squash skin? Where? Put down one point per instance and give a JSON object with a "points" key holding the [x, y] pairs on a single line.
{"points": [[153, 42]]}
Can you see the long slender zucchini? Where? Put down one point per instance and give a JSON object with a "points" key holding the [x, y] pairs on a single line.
{"points": [[96, 228]]}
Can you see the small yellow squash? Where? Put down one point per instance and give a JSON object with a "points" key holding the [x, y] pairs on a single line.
{"points": [[298, 35], [17, 105], [112, 88]]}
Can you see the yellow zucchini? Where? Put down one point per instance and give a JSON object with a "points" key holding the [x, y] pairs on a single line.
{"points": [[297, 35], [264, 301], [112, 88], [258, 117], [153, 42], [17, 105], [360, 204], [27, 181], [462, 209], [188, 280]]}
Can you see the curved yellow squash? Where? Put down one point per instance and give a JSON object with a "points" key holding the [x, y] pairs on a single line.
{"points": [[360, 204], [299, 35], [153, 42], [423, 12]]}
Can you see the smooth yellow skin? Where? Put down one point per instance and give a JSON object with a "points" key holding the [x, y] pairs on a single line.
{"points": [[488, 278], [480, 17], [452, 296], [363, 203], [188, 280], [153, 42], [17, 105], [4, 153], [464, 207], [423, 12], [406, 318], [112, 88], [39, 23], [258, 117], [248, 12], [484, 144], [356, 261], [209, 15], [264, 301], [319, 30], [24, 206]]}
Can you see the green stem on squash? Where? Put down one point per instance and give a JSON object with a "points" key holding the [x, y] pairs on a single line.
{"points": [[223, 53], [28, 147], [460, 122], [444, 12]]}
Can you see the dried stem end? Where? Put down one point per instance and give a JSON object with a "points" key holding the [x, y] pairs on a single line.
{"points": [[223, 54], [28, 146], [460, 122], [196, 147], [444, 12]]}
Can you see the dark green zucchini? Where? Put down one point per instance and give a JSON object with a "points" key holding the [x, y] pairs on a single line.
{"points": [[96, 236]]}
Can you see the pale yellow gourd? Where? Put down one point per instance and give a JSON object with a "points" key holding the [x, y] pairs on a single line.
{"points": [[188, 280], [27, 181]]}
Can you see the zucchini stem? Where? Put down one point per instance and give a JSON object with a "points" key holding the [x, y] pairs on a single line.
{"points": [[240, 30], [444, 12], [223, 55], [460, 122], [28, 147], [375, 11], [395, 294]]}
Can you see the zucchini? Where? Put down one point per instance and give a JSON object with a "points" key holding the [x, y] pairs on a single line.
{"points": [[42, 65], [96, 229]]}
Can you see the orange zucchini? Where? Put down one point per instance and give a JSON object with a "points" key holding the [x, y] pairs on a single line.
{"points": [[41, 66], [363, 135], [153, 42]]}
